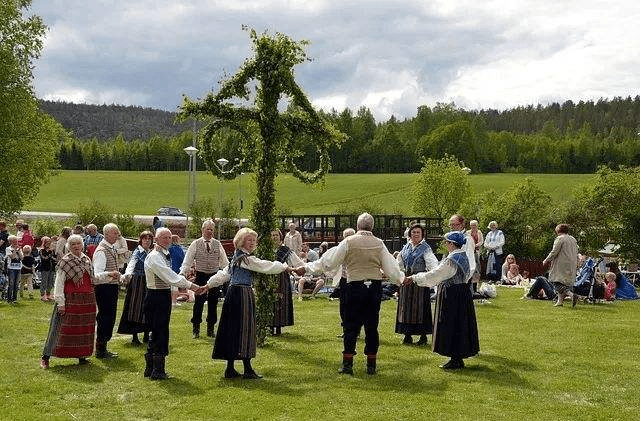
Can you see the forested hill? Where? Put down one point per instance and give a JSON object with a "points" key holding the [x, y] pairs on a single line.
{"points": [[104, 122], [567, 138], [108, 121]]}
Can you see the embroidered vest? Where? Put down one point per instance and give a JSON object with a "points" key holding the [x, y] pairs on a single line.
{"points": [[238, 274], [413, 258], [207, 261], [461, 263]]}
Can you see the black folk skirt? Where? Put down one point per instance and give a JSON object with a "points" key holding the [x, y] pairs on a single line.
{"points": [[455, 334], [283, 307], [414, 315], [236, 336], [133, 318]]}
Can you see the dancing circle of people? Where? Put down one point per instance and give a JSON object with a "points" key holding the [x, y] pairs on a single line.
{"points": [[88, 279]]}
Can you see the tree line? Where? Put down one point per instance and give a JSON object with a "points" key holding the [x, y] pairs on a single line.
{"points": [[567, 138]]}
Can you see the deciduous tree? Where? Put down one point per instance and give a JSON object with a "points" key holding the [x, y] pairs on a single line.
{"points": [[29, 138]]}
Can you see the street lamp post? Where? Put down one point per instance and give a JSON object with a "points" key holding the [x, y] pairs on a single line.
{"points": [[222, 162], [191, 187]]}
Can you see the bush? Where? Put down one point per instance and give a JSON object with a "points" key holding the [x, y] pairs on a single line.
{"points": [[94, 212], [48, 226], [129, 228]]}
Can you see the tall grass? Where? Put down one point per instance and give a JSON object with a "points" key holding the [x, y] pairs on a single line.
{"points": [[537, 362], [144, 192]]}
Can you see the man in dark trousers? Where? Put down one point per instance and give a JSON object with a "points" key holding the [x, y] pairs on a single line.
{"points": [[158, 302], [208, 256], [107, 282], [364, 258]]}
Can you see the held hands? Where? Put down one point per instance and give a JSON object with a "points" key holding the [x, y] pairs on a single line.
{"points": [[201, 290], [300, 271], [407, 280], [61, 310]]}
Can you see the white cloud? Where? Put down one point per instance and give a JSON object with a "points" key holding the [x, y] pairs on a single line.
{"points": [[389, 56]]}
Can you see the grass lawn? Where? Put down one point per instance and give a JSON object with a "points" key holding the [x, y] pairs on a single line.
{"points": [[143, 192], [537, 362]]}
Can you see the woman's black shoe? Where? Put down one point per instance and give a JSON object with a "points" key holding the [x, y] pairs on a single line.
{"points": [[232, 374], [453, 364], [252, 375]]}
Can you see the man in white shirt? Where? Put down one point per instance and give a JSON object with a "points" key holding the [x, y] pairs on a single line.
{"points": [[364, 257], [106, 284], [158, 302], [208, 256]]}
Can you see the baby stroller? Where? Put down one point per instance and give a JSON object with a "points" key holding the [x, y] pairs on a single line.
{"points": [[585, 285]]}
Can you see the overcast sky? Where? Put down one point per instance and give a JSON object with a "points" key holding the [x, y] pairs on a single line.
{"points": [[390, 56]]}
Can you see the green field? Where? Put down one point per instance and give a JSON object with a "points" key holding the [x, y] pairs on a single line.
{"points": [[144, 192], [537, 362]]}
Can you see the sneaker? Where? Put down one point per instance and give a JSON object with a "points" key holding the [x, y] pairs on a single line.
{"points": [[44, 363]]}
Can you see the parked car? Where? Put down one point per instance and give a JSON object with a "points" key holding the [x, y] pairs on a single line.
{"points": [[170, 211]]}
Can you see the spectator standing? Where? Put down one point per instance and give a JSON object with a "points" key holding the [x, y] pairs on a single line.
{"points": [[61, 244], [13, 263], [293, 239], [478, 240], [27, 237], [47, 269], [563, 260], [27, 271], [92, 239], [19, 230], [493, 244]]}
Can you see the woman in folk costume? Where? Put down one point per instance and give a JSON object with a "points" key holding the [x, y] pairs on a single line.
{"points": [[455, 333], [133, 318], [236, 336], [414, 316], [73, 322], [283, 307]]}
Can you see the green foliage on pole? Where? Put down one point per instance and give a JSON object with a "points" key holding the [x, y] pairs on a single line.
{"points": [[266, 140]]}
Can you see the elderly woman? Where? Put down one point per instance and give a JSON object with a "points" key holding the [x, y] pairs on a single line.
{"points": [[414, 316], [455, 334], [73, 322], [133, 318], [236, 337], [563, 260], [283, 307], [493, 244]]}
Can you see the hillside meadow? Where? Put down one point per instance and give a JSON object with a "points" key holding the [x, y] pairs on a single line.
{"points": [[143, 192]]}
